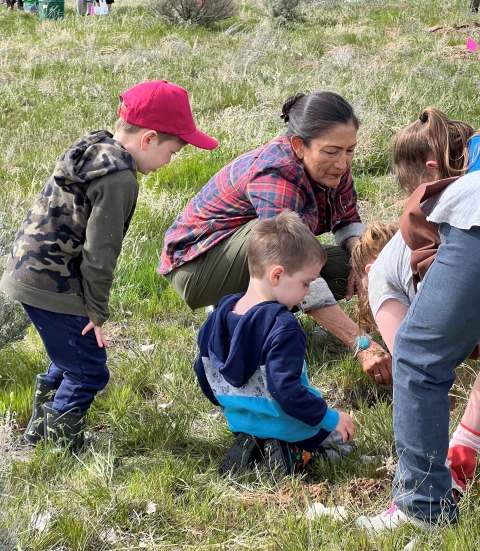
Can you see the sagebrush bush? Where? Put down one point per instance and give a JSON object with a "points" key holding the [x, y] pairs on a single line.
{"points": [[195, 11], [284, 9], [13, 319]]}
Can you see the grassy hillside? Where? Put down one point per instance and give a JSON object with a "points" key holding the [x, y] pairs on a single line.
{"points": [[150, 480]]}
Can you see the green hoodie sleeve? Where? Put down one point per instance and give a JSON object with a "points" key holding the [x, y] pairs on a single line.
{"points": [[113, 199]]}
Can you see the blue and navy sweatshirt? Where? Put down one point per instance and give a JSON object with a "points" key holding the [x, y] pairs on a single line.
{"points": [[253, 366]]}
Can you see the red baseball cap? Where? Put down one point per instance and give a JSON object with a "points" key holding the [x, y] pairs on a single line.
{"points": [[162, 106]]}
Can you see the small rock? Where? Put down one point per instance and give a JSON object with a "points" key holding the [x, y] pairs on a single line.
{"points": [[150, 508]]}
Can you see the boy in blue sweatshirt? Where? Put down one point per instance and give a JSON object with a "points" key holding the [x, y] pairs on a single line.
{"points": [[252, 355]]}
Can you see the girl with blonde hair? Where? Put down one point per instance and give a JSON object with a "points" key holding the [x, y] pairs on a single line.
{"points": [[434, 147], [437, 159]]}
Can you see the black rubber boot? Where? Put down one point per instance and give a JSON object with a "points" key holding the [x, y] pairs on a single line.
{"points": [[42, 392], [242, 454], [65, 430], [278, 458]]}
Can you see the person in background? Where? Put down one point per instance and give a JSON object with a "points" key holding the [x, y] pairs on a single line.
{"points": [[30, 6], [11, 4]]}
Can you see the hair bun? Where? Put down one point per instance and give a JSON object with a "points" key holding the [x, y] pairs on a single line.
{"points": [[288, 106]]}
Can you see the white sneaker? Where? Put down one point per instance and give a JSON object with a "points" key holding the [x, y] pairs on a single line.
{"points": [[389, 520]]}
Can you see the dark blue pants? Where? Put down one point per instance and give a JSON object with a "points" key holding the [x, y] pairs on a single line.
{"points": [[79, 367]]}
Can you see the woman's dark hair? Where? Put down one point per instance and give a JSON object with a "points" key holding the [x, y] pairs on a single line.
{"points": [[311, 115]]}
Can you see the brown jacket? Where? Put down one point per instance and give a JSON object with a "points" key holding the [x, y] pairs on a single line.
{"points": [[422, 236]]}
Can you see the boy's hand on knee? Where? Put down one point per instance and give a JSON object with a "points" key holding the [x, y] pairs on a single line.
{"points": [[346, 427], [101, 340]]}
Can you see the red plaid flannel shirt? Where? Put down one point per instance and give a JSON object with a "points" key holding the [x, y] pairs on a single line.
{"points": [[258, 184]]}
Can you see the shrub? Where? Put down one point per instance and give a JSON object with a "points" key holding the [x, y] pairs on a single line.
{"points": [[283, 9], [195, 11], [13, 319]]}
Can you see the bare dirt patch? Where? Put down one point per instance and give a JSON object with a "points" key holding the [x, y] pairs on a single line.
{"points": [[343, 52], [12, 446], [362, 491], [460, 52], [464, 28], [302, 494]]}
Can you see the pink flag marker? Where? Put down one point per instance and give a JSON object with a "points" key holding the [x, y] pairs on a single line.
{"points": [[471, 44]]}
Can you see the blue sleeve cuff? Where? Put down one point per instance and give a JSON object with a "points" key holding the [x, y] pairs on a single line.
{"points": [[330, 421]]}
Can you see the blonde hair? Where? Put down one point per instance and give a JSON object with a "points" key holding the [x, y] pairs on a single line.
{"points": [[283, 239], [433, 134], [128, 128], [365, 251]]}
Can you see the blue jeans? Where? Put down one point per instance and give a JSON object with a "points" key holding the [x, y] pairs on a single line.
{"points": [[79, 367], [439, 332]]}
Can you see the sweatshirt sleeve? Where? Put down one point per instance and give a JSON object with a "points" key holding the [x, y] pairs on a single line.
{"points": [[113, 199], [198, 366], [287, 381]]}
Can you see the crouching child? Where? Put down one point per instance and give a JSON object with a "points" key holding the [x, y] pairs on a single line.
{"points": [[252, 357]]}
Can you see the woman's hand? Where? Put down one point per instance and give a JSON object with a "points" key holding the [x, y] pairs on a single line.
{"points": [[377, 364], [101, 340]]}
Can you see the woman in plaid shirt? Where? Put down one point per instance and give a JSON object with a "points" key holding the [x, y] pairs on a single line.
{"points": [[307, 171]]}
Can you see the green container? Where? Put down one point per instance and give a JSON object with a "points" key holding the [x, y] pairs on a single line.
{"points": [[51, 9]]}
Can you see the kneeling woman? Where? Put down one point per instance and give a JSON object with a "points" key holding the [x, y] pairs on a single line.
{"points": [[307, 171]]}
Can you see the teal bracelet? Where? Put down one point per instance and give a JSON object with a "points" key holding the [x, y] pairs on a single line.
{"points": [[362, 342]]}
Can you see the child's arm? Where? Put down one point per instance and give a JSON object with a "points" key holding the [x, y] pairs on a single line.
{"points": [[198, 366], [389, 318], [287, 380], [113, 200]]}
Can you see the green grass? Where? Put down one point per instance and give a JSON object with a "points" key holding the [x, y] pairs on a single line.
{"points": [[158, 440]]}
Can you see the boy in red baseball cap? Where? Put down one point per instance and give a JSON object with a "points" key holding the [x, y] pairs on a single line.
{"points": [[62, 262]]}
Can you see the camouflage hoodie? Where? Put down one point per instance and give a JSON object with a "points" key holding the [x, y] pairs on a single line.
{"points": [[66, 250]]}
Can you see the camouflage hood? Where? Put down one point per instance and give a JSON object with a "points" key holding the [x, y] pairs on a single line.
{"points": [[92, 156]]}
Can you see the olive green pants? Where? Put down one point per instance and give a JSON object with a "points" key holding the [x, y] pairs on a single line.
{"points": [[223, 270]]}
